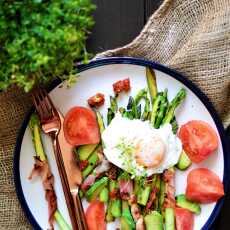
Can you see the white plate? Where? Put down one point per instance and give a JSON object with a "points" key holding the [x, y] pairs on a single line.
{"points": [[98, 76]]}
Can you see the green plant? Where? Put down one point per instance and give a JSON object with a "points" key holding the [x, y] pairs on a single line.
{"points": [[40, 40]]}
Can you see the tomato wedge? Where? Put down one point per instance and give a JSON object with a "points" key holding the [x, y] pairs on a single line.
{"points": [[95, 216], [199, 140], [184, 219], [203, 186], [81, 127]]}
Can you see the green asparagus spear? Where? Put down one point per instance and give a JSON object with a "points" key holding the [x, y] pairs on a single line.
{"points": [[132, 108], [116, 208], [85, 151], [162, 109], [141, 94], [146, 109], [110, 116], [155, 108], [182, 202], [127, 222], [143, 195], [61, 221], [35, 129], [104, 195], [109, 217], [173, 105], [36, 135], [92, 193], [100, 122], [92, 161], [174, 125], [184, 161], [122, 110], [138, 112], [158, 185], [137, 185], [130, 103], [154, 221], [116, 202], [152, 84], [169, 219], [113, 104]]}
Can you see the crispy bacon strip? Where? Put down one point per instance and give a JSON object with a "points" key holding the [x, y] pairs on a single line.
{"points": [[169, 179], [122, 85], [136, 213], [151, 200], [112, 173], [96, 100], [140, 225], [83, 164], [114, 194], [88, 182], [41, 168]]}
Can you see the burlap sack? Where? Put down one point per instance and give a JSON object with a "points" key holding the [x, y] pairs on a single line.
{"points": [[191, 36]]}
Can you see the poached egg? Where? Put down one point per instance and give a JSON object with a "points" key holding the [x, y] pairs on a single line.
{"points": [[138, 148]]}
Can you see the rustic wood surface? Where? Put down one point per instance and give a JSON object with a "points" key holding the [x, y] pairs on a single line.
{"points": [[118, 22]]}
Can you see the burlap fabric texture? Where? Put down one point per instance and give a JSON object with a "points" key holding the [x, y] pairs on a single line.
{"points": [[191, 36]]}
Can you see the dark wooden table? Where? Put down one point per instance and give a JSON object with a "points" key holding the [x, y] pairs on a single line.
{"points": [[118, 22]]}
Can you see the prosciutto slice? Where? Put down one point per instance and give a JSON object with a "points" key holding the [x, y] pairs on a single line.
{"points": [[126, 188], [98, 171], [41, 168]]}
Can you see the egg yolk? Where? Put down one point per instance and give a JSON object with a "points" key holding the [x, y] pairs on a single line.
{"points": [[151, 154]]}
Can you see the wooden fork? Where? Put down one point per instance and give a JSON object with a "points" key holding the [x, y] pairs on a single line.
{"points": [[51, 122]]}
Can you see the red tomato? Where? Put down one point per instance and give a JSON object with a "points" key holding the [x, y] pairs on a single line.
{"points": [[184, 219], [95, 216], [80, 126], [199, 140], [203, 186]]}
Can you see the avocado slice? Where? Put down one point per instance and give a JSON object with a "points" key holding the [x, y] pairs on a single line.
{"points": [[154, 221], [182, 202], [184, 161]]}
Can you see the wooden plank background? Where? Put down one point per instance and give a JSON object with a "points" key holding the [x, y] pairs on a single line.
{"points": [[118, 22]]}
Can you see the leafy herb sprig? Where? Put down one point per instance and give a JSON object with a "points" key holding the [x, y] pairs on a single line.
{"points": [[40, 40]]}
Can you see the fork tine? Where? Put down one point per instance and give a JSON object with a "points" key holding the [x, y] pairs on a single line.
{"points": [[43, 108], [36, 102], [49, 102]]}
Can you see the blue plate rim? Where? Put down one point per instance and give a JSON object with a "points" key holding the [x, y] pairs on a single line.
{"points": [[133, 61]]}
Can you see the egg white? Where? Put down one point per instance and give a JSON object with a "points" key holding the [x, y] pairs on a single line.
{"points": [[122, 134]]}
